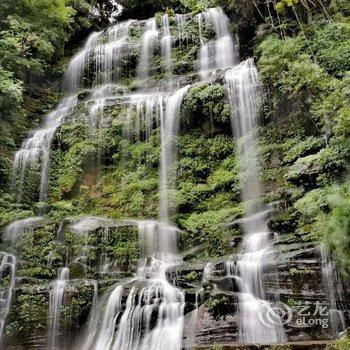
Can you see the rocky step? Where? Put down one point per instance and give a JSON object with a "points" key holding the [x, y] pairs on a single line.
{"points": [[300, 345]]}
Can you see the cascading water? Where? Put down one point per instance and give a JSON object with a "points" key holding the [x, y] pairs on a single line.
{"points": [[149, 43], [223, 52], [169, 132], [334, 293], [36, 149], [148, 112], [166, 46], [56, 299], [83, 228], [146, 311], [204, 55], [13, 233], [151, 294], [243, 84], [7, 269], [101, 332], [13, 237], [181, 27], [104, 57], [152, 305]]}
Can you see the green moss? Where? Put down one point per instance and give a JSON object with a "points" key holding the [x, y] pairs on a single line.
{"points": [[218, 305], [35, 249], [28, 313], [337, 235], [191, 276], [340, 344], [73, 164], [205, 227], [296, 148], [207, 103]]}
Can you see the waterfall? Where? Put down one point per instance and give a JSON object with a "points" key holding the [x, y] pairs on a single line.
{"points": [[334, 294], [105, 57], [223, 52], [151, 294], [13, 237], [7, 269], [149, 43], [112, 310], [146, 311], [169, 132], [93, 122], [13, 233], [55, 305], [243, 84], [204, 56], [181, 27], [166, 47], [36, 149], [148, 112], [83, 227]]}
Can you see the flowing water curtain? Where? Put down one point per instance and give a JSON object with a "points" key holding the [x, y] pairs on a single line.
{"points": [[97, 62], [169, 132], [334, 294], [7, 270], [166, 47], [153, 315], [13, 237], [220, 53], [149, 44], [56, 302], [36, 149], [243, 83], [150, 295]]}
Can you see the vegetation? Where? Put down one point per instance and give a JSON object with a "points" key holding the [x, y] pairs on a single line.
{"points": [[302, 51], [341, 344]]}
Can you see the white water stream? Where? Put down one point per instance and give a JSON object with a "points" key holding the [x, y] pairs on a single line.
{"points": [[36, 149], [147, 311], [243, 84]]}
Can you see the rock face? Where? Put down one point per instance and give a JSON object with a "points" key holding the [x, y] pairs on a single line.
{"points": [[211, 301], [102, 150], [298, 281]]}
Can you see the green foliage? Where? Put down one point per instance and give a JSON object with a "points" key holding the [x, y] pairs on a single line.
{"points": [[307, 78], [338, 232], [77, 306], [28, 314], [310, 205], [35, 249], [218, 305], [73, 164], [207, 102], [331, 46], [340, 344], [205, 227], [32, 33], [297, 148], [191, 276], [10, 94], [126, 248], [10, 211]]}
